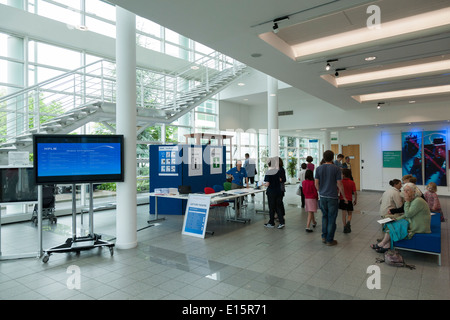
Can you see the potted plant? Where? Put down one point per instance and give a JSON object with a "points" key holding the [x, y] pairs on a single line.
{"points": [[291, 168]]}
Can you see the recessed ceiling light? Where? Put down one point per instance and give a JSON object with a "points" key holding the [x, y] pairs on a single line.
{"points": [[370, 58], [241, 84], [273, 95], [412, 101], [417, 69], [404, 29], [82, 28], [350, 127], [390, 95], [195, 67]]}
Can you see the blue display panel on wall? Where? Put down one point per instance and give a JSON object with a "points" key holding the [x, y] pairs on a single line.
{"points": [[175, 165], [424, 156]]}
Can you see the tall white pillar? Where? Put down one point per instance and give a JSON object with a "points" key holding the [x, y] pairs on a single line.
{"points": [[126, 216], [326, 140], [272, 116]]}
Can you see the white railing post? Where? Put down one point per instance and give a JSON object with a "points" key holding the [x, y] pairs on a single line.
{"points": [[102, 84]]}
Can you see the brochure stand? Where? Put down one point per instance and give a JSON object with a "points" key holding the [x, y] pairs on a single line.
{"points": [[77, 244]]}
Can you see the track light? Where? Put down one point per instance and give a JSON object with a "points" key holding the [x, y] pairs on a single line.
{"points": [[275, 23], [337, 71], [379, 105], [275, 27], [328, 66]]}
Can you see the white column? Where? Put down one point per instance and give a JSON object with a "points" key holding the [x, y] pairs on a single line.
{"points": [[126, 216], [15, 75], [272, 116], [326, 140]]}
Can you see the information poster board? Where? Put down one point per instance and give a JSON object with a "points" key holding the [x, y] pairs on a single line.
{"points": [[196, 216], [412, 155], [195, 161], [215, 160], [434, 147], [168, 156], [392, 159]]}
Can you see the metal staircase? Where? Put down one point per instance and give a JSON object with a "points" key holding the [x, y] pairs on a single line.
{"points": [[87, 94]]}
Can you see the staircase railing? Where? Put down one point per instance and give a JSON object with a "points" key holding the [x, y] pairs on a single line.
{"points": [[26, 110]]}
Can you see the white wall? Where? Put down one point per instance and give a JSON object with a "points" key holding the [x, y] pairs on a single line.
{"points": [[234, 116], [373, 141], [372, 144]]}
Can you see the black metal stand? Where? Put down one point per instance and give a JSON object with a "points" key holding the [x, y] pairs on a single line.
{"points": [[77, 244]]}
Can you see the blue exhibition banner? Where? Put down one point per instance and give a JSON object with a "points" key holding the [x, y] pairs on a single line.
{"points": [[196, 217]]}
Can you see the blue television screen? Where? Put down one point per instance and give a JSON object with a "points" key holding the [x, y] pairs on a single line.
{"points": [[78, 158]]}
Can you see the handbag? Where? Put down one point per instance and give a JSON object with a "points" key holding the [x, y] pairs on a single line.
{"points": [[299, 191], [395, 259]]}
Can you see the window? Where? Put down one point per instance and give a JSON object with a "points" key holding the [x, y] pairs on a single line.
{"points": [[101, 27], [100, 9], [63, 13], [51, 56]]}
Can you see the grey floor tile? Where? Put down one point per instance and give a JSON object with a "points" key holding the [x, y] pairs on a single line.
{"points": [[243, 262]]}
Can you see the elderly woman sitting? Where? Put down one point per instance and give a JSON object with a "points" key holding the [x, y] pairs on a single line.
{"points": [[416, 219]]}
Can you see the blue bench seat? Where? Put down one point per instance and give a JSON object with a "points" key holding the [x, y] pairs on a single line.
{"points": [[429, 243]]}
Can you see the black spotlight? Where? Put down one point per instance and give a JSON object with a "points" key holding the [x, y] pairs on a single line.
{"points": [[337, 71], [275, 27]]}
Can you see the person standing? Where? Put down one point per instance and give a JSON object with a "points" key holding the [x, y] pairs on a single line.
{"points": [[238, 174], [250, 167], [328, 180], [310, 165], [282, 185], [272, 180], [301, 177], [338, 161], [347, 208], [346, 164], [311, 198]]}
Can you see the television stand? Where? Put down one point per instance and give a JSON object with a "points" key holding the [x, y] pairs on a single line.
{"points": [[77, 244]]}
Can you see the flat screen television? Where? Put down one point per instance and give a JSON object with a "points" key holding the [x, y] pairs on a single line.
{"points": [[71, 159], [18, 184]]}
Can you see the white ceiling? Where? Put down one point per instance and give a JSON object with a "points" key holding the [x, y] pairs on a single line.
{"points": [[234, 28]]}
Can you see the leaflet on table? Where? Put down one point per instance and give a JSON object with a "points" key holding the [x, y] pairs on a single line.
{"points": [[168, 160], [166, 191]]}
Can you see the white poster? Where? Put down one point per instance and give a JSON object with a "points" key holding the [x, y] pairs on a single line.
{"points": [[196, 215], [168, 160], [18, 158], [195, 161], [215, 160]]}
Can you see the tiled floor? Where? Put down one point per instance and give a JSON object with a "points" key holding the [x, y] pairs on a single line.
{"points": [[239, 262]]}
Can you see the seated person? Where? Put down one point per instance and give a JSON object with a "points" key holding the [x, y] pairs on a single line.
{"points": [[418, 217], [405, 179], [391, 198]]}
